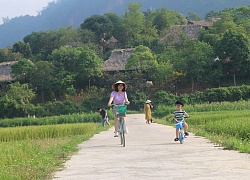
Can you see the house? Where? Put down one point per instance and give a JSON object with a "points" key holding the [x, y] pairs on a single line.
{"points": [[117, 60], [191, 30], [5, 71]]}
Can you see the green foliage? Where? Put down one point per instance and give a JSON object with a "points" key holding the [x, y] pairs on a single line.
{"points": [[139, 99], [57, 108], [100, 25], [17, 101], [225, 123], [68, 61], [141, 58], [162, 110], [217, 94], [163, 97], [35, 152], [193, 16], [231, 127], [23, 48], [133, 23], [163, 19], [62, 119], [21, 70], [45, 132]]}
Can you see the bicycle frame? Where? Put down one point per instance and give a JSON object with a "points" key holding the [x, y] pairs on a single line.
{"points": [[121, 126], [181, 131], [121, 130]]}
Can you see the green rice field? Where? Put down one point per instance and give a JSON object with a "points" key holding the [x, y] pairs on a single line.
{"points": [[226, 124], [35, 152]]}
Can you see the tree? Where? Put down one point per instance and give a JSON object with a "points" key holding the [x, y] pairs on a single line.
{"points": [[23, 48], [100, 25], [195, 57], [233, 51], [17, 101], [7, 55], [193, 16], [133, 24], [163, 19], [43, 77], [165, 74], [79, 63], [89, 65], [43, 43], [21, 70], [141, 59]]}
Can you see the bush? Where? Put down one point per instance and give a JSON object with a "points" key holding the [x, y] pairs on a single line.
{"points": [[163, 97]]}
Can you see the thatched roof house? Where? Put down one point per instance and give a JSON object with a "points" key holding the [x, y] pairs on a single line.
{"points": [[204, 23], [111, 43], [117, 59], [191, 30], [5, 71]]}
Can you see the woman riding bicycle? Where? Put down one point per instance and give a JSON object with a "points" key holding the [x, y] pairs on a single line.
{"points": [[119, 97]]}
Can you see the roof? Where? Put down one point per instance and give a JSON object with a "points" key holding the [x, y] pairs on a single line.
{"points": [[191, 30], [205, 23], [117, 59], [5, 71]]}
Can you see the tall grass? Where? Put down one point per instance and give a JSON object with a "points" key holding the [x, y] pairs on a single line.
{"points": [[227, 124], [47, 131], [35, 152]]}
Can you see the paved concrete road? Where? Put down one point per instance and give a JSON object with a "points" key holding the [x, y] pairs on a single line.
{"points": [[151, 153]]}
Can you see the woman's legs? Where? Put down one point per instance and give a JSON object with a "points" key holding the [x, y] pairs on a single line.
{"points": [[116, 124]]}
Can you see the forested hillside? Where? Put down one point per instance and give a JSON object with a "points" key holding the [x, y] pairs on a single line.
{"points": [[64, 13]]}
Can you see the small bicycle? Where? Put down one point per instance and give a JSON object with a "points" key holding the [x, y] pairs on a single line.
{"points": [[121, 113], [181, 131]]}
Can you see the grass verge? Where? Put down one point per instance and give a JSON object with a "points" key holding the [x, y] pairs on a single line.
{"points": [[38, 158]]}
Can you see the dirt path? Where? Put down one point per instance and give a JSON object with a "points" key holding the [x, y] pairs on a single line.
{"points": [[151, 153]]}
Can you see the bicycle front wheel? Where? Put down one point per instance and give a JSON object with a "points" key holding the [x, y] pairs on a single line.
{"points": [[181, 136], [123, 138], [122, 133]]}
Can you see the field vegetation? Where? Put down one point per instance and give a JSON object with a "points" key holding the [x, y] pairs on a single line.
{"points": [[36, 151], [226, 124]]}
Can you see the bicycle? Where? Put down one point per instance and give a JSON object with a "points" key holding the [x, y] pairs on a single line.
{"points": [[181, 133], [121, 113]]}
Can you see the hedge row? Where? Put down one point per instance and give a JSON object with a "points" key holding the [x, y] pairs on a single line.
{"points": [[222, 94], [62, 119]]}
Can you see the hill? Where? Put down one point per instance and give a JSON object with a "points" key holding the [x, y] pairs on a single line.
{"points": [[64, 13]]}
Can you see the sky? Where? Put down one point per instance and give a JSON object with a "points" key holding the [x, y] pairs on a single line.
{"points": [[15, 8]]}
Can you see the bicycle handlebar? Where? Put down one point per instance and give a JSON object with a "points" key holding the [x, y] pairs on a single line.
{"points": [[119, 104]]}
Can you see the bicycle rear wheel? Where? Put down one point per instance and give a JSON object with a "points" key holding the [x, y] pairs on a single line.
{"points": [[181, 136]]}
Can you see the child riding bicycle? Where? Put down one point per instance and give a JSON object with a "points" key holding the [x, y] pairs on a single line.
{"points": [[119, 97], [179, 115]]}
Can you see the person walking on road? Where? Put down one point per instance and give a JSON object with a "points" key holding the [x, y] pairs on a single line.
{"points": [[147, 111], [119, 97], [104, 114]]}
